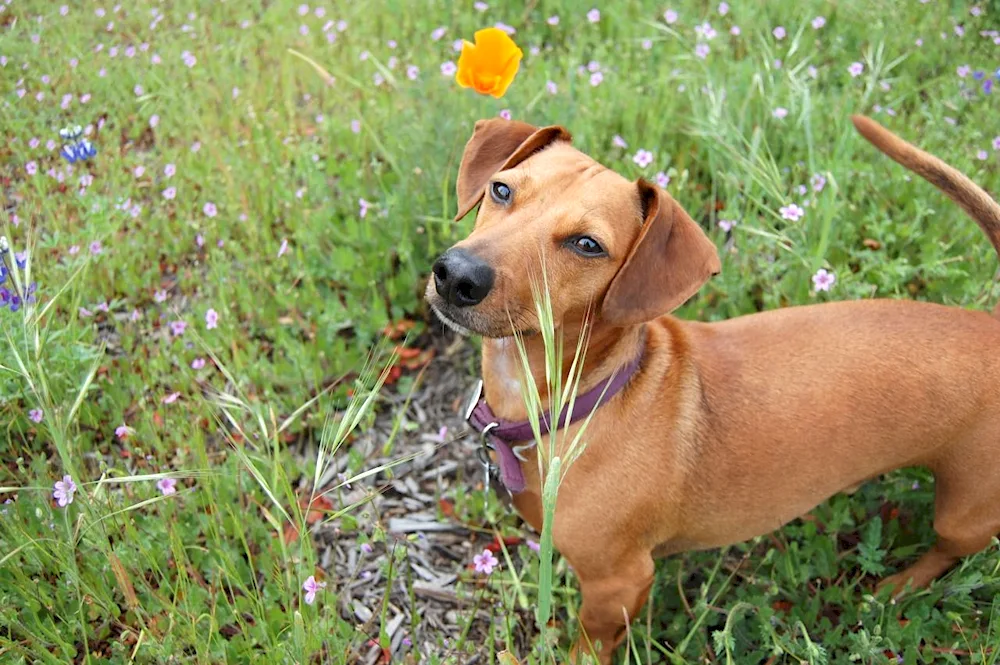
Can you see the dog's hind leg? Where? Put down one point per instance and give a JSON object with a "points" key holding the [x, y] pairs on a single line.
{"points": [[966, 509]]}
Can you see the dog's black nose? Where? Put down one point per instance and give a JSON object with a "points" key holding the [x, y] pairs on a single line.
{"points": [[462, 279]]}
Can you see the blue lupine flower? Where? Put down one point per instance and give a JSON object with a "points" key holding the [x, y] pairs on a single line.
{"points": [[4, 297], [71, 133], [86, 149], [21, 258], [988, 86], [978, 74], [3, 273], [15, 302], [69, 153], [80, 151]]}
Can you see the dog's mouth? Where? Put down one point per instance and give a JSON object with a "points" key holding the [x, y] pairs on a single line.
{"points": [[451, 323], [466, 324]]}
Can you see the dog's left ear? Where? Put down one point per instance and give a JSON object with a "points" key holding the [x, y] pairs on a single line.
{"points": [[670, 260], [495, 145]]}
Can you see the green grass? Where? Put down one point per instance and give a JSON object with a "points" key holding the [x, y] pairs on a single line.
{"points": [[204, 575]]}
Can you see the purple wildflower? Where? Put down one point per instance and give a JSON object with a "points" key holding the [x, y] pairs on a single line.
{"points": [[485, 562], [63, 491], [312, 587], [823, 280]]}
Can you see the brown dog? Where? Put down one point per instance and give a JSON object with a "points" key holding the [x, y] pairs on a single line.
{"points": [[695, 452]]}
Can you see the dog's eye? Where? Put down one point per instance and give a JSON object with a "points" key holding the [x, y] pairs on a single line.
{"points": [[500, 192], [586, 246]]}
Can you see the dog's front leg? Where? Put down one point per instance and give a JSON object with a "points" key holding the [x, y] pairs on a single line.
{"points": [[612, 597]]}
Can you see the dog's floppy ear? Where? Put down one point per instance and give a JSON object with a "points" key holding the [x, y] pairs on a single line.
{"points": [[497, 144], [670, 260]]}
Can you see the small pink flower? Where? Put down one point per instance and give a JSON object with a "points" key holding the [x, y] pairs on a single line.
{"points": [[823, 280], [643, 158], [856, 69], [779, 33], [31, 167], [818, 22], [485, 562], [412, 72], [171, 398], [169, 193], [312, 587], [702, 50], [792, 212], [481, 6], [705, 31], [283, 249], [35, 415], [447, 69], [154, 120], [95, 247], [197, 363], [551, 87], [177, 328], [167, 486], [122, 432], [438, 33], [670, 16], [996, 142], [552, 20], [723, 8], [139, 170], [211, 319], [982, 155], [963, 71], [596, 79], [735, 31], [210, 210], [780, 113], [505, 114], [533, 545], [594, 15], [818, 182], [138, 91], [63, 491], [355, 126], [363, 208], [662, 179]]}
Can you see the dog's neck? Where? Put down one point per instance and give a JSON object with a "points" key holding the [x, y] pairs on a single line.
{"points": [[607, 349]]}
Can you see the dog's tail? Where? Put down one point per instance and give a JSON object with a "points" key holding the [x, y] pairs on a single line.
{"points": [[976, 203]]}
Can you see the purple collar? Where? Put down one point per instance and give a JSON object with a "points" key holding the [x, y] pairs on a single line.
{"points": [[499, 434]]}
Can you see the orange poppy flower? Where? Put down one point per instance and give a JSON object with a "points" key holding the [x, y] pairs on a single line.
{"points": [[489, 65]]}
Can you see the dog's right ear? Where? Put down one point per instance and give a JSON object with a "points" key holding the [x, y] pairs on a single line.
{"points": [[495, 145]]}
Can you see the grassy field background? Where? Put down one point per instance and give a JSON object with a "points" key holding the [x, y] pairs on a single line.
{"points": [[271, 184]]}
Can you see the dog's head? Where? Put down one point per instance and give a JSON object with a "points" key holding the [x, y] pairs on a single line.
{"points": [[621, 252]]}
